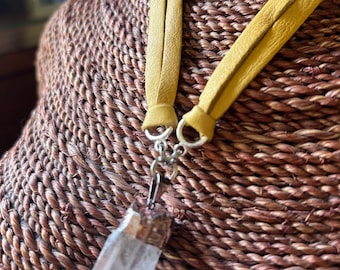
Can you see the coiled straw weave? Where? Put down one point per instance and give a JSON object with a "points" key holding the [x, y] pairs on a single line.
{"points": [[264, 194]]}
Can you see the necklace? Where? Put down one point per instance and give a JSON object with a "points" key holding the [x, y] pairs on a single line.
{"points": [[145, 229]]}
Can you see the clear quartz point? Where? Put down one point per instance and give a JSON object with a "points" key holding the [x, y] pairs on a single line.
{"points": [[138, 241]]}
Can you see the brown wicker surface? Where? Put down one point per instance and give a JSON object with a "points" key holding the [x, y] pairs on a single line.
{"points": [[264, 194]]}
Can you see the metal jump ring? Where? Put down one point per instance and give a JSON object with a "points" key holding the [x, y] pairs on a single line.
{"points": [[161, 137], [183, 141]]}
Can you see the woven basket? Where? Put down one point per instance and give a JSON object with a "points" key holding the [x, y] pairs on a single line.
{"points": [[264, 194]]}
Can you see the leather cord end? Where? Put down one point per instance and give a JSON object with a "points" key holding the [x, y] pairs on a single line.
{"points": [[202, 122], [160, 115]]}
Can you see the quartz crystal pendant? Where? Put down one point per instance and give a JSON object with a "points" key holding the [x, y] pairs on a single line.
{"points": [[138, 241]]}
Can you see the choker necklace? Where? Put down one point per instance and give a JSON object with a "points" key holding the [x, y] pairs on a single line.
{"points": [[138, 241]]}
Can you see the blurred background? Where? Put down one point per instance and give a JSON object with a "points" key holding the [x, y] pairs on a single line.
{"points": [[21, 24]]}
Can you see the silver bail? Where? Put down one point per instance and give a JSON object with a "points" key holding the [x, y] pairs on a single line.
{"points": [[157, 187]]}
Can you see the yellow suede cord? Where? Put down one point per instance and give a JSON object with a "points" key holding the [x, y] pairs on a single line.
{"points": [[163, 62], [271, 28]]}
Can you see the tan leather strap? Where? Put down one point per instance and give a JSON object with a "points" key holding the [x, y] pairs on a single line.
{"points": [[274, 24]]}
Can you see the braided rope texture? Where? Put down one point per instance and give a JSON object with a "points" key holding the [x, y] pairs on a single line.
{"points": [[264, 194]]}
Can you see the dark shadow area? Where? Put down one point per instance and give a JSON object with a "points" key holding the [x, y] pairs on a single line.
{"points": [[21, 24]]}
